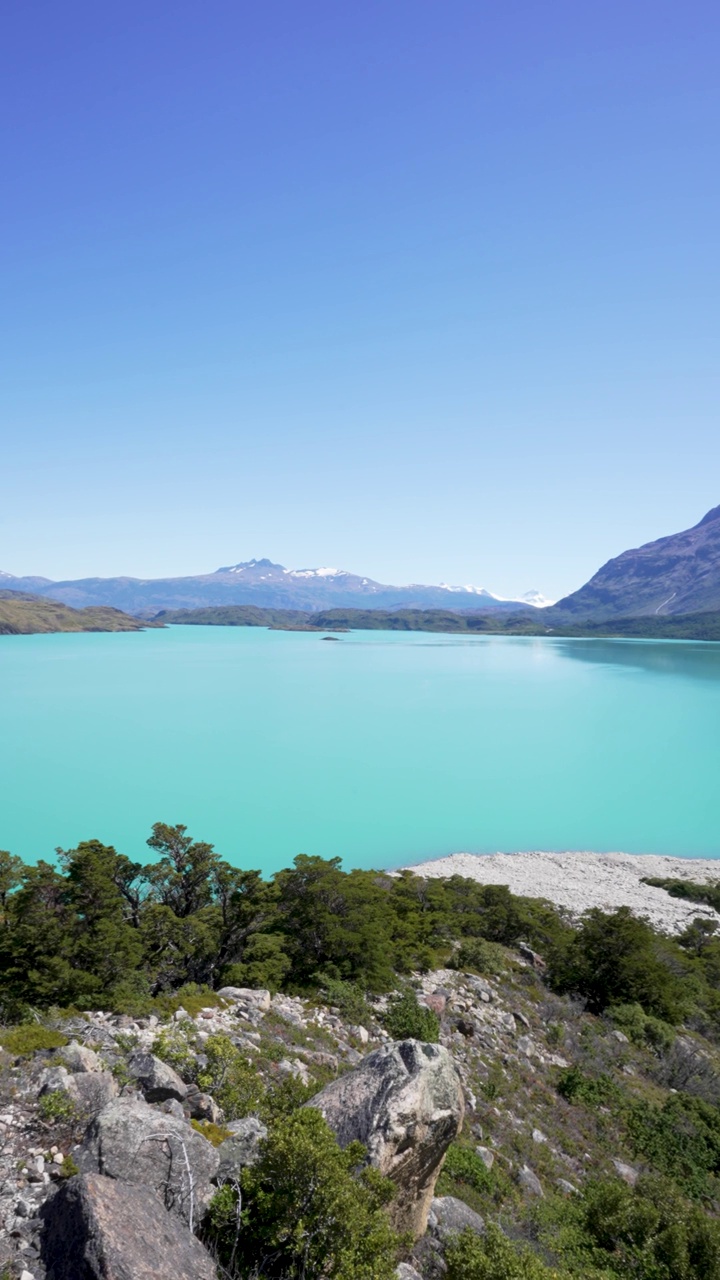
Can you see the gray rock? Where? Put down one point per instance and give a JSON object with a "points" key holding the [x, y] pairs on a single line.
{"points": [[132, 1142], [532, 957], [78, 1058], [486, 1155], [405, 1272], [92, 1092], [449, 1216], [620, 1037], [157, 1080], [626, 1172], [567, 1187], [529, 1182], [173, 1108], [538, 1136], [203, 1107], [97, 1229], [257, 997], [240, 1150], [404, 1102]]}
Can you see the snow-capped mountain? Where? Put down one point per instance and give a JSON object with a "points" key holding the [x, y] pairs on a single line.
{"points": [[266, 584]]}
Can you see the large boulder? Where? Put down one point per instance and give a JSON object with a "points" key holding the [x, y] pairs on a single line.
{"points": [[131, 1142], [77, 1057], [449, 1216], [97, 1229], [404, 1102], [254, 997], [242, 1148], [157, 1080]]}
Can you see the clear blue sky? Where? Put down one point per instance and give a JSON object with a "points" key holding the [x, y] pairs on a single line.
{"points": [[423, 290]]}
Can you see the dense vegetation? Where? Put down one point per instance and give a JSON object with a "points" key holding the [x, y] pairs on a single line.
{"points": [[523, 622], [100, 930], [22, 614], [98, 927]]}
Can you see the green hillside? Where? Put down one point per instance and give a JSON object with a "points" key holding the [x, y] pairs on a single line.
{"points": [[691, 626], [22, 615]]}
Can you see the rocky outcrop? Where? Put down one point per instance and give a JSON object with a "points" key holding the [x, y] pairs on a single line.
{"points": [[157, 1080], [132, 1142], [404, 1102], [241, 1149], [449, 1216], [98, 1229]]}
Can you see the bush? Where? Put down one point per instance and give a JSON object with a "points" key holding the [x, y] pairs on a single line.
{"points": [[308, 1209], [405, 1019], [265, 964], [348, 997], [642, 1028], [650, 1232], [233, 1082], [476, 955], [462, 1164], [57, 1107], [493, 1257], [591, 1091], [29, 1038], [681, 1139], [173, 1046]]}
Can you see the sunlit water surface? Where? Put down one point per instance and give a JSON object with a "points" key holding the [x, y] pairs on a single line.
{"points": [[381, 748]]}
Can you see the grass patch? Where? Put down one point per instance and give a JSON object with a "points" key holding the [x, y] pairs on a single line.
{"points": [[30, 1038]]}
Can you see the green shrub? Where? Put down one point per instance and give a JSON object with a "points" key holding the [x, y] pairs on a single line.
{"points": [[192, 997], [173, 1045], [57, 1107], [681, 1139], [642, 1028], [348, 997], [649, 1232], [477, 955], [29, 1038], [265, 963], [591, 1091], [308, 1210], [493, 1257], [462, 1164], [233, 1082], [405, 1019], [286, 1097]]}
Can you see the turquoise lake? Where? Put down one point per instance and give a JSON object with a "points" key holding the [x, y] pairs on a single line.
{"points": [[382, 748]]}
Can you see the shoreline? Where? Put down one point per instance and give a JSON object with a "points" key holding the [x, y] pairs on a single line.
{"points": [[578, 881]]}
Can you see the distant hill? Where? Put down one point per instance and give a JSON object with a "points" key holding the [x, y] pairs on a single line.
{"points": [[22, 614], [696, 626], [264, 584], [679, 574]]}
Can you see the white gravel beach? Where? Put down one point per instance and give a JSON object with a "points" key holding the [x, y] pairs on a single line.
{"points": [[577, 881]]}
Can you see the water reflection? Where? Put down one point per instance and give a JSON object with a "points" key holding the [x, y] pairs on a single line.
{"points": [[692, 659]]}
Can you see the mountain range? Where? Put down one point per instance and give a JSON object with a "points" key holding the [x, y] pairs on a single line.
{"points": [[265, 584], [677, 574]]}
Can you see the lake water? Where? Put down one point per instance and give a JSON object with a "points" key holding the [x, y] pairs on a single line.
{"points": [[381, 748]]}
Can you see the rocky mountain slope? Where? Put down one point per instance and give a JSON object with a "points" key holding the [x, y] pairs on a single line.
{"points": [[118, 1133], [677, 574], [23, 614], [262, 583]]}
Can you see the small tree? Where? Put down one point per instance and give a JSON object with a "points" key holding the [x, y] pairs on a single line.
{"points": [[308, 1209]]}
